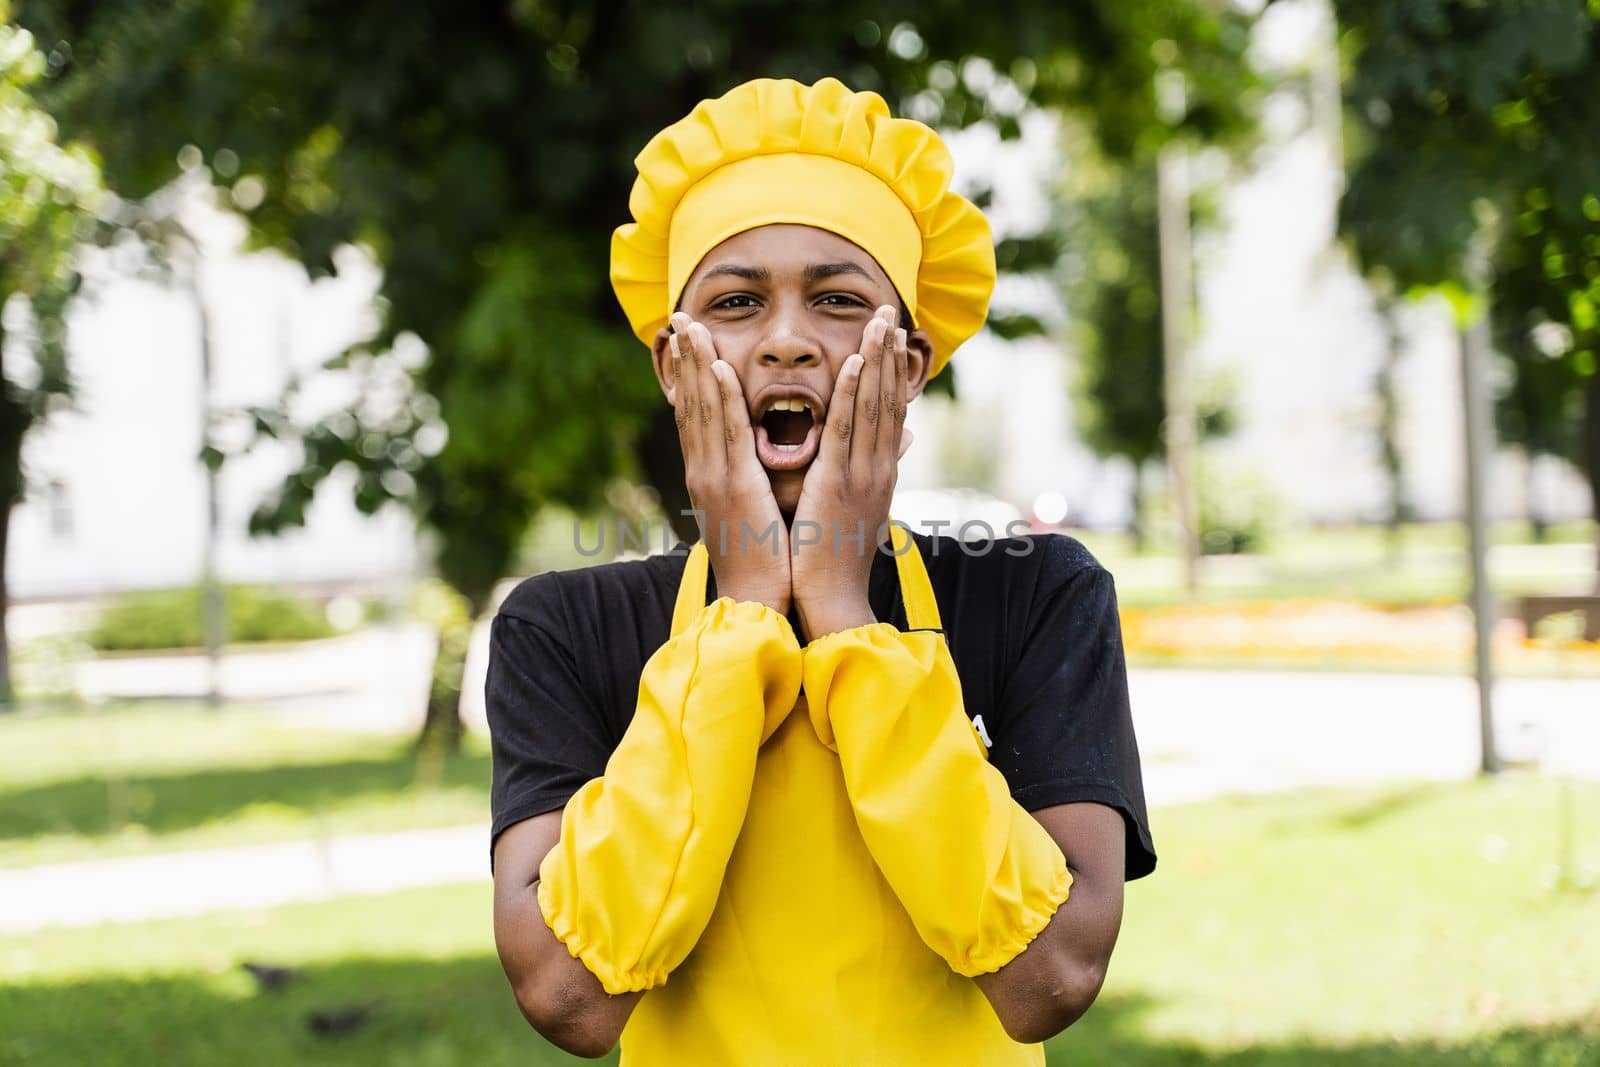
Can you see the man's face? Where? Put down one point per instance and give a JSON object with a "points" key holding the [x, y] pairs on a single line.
{"points": [[786, 305]]}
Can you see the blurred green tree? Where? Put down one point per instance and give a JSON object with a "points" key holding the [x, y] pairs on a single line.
{"points": [[48, 192], [1111, 274], [1472, 119], [483, 150]]}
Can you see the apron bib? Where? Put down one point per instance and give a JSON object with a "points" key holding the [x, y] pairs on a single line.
{"points": [[809, 958]]}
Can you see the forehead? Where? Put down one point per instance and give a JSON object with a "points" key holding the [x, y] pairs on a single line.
{"points": [[785, 250]]}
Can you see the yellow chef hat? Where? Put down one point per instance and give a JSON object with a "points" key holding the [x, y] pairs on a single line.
{"points": [[770, 151]]}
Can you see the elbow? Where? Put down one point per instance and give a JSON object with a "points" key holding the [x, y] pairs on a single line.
{"points": [[566, 1020], [1055, 1006]]}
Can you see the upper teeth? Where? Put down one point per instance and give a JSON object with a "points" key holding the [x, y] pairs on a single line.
{"points": [[790, 404]]}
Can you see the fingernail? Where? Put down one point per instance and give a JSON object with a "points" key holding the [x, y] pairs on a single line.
{"points": [[900, 338]]}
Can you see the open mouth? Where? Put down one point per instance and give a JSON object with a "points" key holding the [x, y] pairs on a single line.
{"points": [[787, 434], [787, 427]]}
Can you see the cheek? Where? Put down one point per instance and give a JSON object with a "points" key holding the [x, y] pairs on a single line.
{"points": [[733, 347]]}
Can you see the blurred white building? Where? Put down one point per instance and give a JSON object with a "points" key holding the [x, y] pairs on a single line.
{"points": [[116, 493]]}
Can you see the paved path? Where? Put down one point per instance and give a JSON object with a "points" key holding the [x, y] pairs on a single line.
{"points": [[1201, 734], [172, 884], [1204, 733]]}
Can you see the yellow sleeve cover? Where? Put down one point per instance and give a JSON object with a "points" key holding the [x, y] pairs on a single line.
{"points": [[631, 884], [979, 876]]}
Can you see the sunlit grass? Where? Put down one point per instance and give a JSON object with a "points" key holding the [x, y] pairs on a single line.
{"points": [[1425, 925], [135, 778]]}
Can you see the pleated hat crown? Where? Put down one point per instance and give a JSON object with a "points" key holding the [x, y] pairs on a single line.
{"points": [[778, 151]]}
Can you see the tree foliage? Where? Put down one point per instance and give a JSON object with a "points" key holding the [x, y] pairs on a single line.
{"points": [[483, 150], [1480, 121], [48, 193]]}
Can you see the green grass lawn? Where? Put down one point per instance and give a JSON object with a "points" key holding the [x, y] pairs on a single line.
{"points": [[1398, 927], [135, 778]]}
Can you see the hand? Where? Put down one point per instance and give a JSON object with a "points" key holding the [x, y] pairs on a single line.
{"points": [[849, 487], [726, 482]]}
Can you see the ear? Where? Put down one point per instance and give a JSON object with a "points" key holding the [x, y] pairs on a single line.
{"points": [[919, 360], [661, 358]]}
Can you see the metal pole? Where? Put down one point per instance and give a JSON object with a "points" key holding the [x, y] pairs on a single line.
{"points": [[1182, 430], [214, 619], [1477, 406]]}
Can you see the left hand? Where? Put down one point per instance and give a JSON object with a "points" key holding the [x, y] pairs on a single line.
{"points": [[849, 486]]}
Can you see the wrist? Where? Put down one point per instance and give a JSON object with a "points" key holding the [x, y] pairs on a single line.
{"points": [[831, 616], [776, 601]]}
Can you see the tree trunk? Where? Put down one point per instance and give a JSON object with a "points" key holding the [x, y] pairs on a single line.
{"points": [[1389, 436], [1536, 519], [1591, 455], [7, 695], [1136, 525], [442, 729], [14, 419]]}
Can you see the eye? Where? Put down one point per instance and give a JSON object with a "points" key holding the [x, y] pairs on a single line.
{"points": [[727, 302], [847, 301]]}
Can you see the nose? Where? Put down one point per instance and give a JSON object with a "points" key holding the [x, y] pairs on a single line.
{"points": [[788, 346]]}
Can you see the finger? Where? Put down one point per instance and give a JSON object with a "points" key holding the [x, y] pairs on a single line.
{"points": [[883, 429], [712, 423], [833, 453], [869, 401], [741, 436], [682, 403], [900, 394], [702, 396]]}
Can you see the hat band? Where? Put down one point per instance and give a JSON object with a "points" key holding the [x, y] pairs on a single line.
{"points": [[795, 187]]}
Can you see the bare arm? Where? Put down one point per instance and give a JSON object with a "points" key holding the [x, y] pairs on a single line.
{"points": [[558, 995], [1051, 983]]}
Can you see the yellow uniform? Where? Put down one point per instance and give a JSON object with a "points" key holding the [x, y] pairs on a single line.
{"points": [[809, 957]]}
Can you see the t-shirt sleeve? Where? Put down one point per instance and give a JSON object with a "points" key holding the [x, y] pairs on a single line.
{"points": [[1064, 732], [547, 737]]}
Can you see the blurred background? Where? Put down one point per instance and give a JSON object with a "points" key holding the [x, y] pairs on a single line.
{"points": [[309, 355]]}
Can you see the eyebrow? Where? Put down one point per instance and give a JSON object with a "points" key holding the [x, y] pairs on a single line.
{"points": [[818, 271], [762, 276]]}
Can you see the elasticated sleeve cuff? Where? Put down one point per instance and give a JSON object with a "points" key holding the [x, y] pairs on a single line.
{"points": [[979, 876], [632, 882]]}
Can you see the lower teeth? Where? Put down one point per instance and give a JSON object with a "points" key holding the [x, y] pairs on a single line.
{"points": [[785, 448]]}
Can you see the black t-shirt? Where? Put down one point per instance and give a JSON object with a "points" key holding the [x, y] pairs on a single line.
{"points": [[1031, 623]]}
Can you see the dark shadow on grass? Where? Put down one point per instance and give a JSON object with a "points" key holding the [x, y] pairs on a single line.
{"points": [[1110, 1036], [453, 1011], [168, 803], [1390, 803], [460, 1011]]}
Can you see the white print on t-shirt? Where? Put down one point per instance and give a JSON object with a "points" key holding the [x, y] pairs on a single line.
{"points": [[977, 724]]}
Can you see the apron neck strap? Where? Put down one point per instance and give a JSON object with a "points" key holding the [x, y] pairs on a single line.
{"points": [[922, 609]]}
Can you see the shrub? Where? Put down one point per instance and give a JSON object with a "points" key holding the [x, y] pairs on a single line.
{"points": [[172, 618]]}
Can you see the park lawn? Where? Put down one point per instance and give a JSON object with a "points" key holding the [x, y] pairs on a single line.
{"points": [[1412, 926], [132, 778]]}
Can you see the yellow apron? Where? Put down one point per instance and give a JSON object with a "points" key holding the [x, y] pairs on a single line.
{"points": [[809, 957]]}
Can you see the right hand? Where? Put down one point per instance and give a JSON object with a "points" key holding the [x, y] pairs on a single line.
{"points": [[727, 484]]}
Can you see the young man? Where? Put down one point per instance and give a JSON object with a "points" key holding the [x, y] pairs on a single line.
{"points": [[818, 790]]}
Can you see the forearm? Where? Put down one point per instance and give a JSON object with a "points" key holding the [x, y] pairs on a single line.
{"points": [[1051, 983], [632, 881], [555, 992], [979, 877]]}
